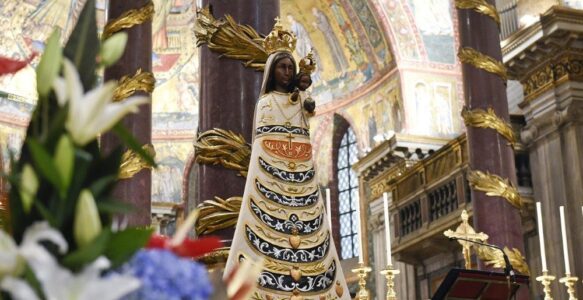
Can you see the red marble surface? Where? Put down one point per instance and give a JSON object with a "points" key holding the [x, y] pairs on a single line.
{"points": [[138, 54], [228, 93], [488, 150]]}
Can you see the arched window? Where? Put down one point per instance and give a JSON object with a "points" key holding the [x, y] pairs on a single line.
{"points": [[348, 195]]}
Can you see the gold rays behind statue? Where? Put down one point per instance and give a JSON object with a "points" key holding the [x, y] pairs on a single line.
{"points": [[230, 39], [241, 42]]}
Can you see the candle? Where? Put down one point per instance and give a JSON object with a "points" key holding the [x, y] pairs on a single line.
{"points": [[328, 208], [541, 236], [564, 236], [360, 237], [387, 228]]}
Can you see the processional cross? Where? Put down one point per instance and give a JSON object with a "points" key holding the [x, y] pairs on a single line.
{"points": [[466, 231]]}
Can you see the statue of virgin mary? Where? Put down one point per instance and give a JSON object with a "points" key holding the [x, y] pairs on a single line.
{"points": [[282, 219]]}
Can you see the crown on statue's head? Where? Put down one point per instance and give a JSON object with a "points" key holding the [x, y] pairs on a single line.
{"points": [[279, 39], [308, 63]]}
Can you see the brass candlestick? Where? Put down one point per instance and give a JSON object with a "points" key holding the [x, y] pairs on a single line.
{"points": [[570, 282], [361, 272], [546, 280], [390, 274]]}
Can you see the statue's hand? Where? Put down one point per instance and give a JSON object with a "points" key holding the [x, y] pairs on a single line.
{"points": [[309, 105]]}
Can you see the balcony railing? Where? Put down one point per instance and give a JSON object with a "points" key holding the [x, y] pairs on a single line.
{"points": [[428, 198]]}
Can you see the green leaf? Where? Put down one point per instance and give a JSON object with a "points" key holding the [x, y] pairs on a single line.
{"points": [[113, 48], [83, 45], [45, 213], [65, 159], [45, 164], [102, 184], [89, 252], [132, 143], [123, 244], [49, 65]]}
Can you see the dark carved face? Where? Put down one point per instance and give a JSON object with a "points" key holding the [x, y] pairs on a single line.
{"points": [[283, 74], [304, 82]]}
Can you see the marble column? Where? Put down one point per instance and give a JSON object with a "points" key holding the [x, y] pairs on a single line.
{"points": [[548, 64], [228, 93], [488, 150], [137, 55]]}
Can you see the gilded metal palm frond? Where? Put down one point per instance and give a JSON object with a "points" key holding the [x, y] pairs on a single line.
{"points": [[132, 163], [230, 39], [495, 186], [218, 214], [494, 258], [219, 146]]}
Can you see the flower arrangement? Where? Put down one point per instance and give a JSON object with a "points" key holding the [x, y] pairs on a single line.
{"points": [[59, 239]]}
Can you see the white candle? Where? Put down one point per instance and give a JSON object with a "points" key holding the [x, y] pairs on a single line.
{"points": [[564, 236], [541, 236], [328, 208], [360, 237], [387, 228]]}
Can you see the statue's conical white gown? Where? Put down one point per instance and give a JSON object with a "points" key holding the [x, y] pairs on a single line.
{"points": [[282, 217]]}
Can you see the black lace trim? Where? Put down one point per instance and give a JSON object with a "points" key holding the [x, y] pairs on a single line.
{"points": [[309, 255], [291, 201], [295, 177], [306, 284], [286, 226], [281, 129]]}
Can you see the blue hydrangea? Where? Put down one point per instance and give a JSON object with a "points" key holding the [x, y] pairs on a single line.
{"points": [[165, 276]]}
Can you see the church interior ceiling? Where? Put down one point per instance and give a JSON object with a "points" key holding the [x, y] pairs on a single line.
{"points": [[386, 66]]}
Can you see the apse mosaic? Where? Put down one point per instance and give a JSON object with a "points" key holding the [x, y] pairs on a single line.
{"points": [[340, 43]]}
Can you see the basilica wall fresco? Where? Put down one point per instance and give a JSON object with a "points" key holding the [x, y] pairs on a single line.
{"points": [[350, 47]]}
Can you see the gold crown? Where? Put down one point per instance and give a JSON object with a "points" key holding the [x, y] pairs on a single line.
{"points": [[308, 63], [279, 39]]}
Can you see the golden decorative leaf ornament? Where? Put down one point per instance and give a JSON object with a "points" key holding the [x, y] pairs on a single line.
{"points": [[480, 6], [129, 85], [488, 119], [129, 19], [482, 61], [132, 163], [218, 214], [495, 186], [219, 146], [230, 39]]}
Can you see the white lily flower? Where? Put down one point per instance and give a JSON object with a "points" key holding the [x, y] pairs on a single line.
{"points": [[94, 112], [58, 283], [12, 257]]}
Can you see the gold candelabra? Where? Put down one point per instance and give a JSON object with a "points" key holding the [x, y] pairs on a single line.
{"points": [[546, 280], [390, 274], [570, 281], [361, 271]]}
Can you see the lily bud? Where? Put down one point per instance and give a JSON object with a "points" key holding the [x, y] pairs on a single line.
{"points": [[87, 224], [28, 187]]}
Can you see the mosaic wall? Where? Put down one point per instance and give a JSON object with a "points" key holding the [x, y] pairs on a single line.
{"points": [[24, 25], [349, 54]]}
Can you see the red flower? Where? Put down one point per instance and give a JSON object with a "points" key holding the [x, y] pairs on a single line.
{"points": [[188, 247], [9, 66]]}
